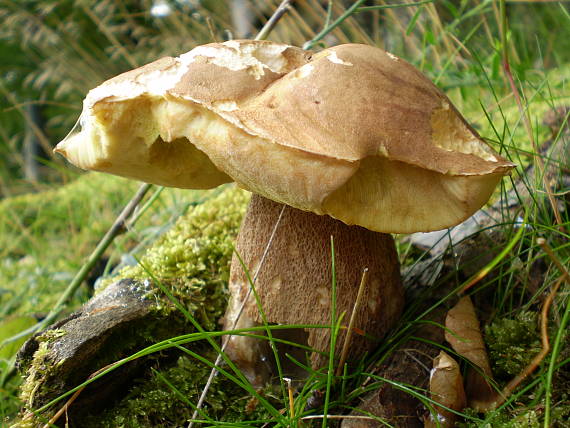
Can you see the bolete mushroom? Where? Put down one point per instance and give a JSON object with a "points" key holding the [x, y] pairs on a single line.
{"points": [[354, 140]]}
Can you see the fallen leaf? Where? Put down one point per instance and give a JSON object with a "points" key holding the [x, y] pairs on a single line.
{"points": [[446, 388], [464, 336]]}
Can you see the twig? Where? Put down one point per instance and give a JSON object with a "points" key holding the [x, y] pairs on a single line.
{"points": [[211, 29], [274, 19], [329, 13], [355, 8], [544, 245], [355, 309], [558, 341], [350, 11], [392, 6], [291, 400], [367, 418]]}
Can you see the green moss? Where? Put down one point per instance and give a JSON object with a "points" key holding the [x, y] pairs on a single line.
{"points": [[512, 343], [162, 399], [193, 258], [528, 419], [41, 367], [58, 212], [71, 219]]}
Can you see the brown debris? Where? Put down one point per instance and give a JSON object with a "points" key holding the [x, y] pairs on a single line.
{"points": [[446, 387], [464, 336]]}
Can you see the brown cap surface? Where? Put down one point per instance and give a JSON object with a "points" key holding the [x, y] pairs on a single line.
{"points": [[352, 131]]}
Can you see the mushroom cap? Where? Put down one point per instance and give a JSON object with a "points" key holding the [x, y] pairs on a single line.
{"points": [[352, 131]]}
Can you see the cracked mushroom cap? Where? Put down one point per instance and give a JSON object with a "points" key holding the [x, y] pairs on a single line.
{"points": [[352, 131]]}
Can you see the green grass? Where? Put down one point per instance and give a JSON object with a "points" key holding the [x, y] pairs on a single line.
{"points": [[46, 235]]}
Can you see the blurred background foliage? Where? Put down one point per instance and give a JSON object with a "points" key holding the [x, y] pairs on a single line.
{"points": [[54, 51]]}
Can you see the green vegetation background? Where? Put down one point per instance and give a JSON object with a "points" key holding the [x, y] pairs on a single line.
{"points": [[53, 52]]}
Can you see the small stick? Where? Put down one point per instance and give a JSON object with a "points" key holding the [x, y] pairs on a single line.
{"points": [[366, 418], [355, 309], [291, 402], [322, 34], [211, 29], [274, 19]]}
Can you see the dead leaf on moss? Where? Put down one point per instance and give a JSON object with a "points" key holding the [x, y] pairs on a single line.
{"points": [[464, 336], [446, 388]]}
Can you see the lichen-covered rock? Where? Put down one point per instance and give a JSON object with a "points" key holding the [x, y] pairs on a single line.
{"points": [[130, 312], [59, 357]]}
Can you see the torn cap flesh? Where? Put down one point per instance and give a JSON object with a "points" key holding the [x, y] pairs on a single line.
{"points": [[352, 131]]}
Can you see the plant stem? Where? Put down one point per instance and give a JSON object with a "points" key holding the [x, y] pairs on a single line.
{"points": [[552, 365], [355, 309], [351, 11], [392, 6], [334, 333]]}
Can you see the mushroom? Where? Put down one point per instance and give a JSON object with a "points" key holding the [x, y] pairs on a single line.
{"points": [[355, 142]]}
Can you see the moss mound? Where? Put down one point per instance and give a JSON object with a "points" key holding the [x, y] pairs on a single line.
{"points": [[192, 262], [166, 396]]}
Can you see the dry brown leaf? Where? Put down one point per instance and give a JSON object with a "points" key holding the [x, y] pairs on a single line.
{"points": [[446, 388], [464, 336]]}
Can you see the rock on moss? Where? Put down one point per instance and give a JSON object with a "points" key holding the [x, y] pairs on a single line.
{"points": [[191, 260]]}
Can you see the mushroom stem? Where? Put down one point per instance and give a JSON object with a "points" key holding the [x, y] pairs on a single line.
{"points": [[294, 286]]}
